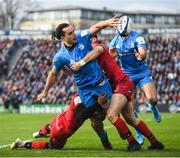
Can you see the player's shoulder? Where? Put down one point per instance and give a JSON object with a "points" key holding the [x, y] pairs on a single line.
{"points": [[135, 34], [59, 54], [138, 37], [60, 51], [82, 33], [115, 39], [57, 57]]}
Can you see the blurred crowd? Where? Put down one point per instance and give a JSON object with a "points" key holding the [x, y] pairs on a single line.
{"points": [[27, 79], [164, 61], [30, 72], [6, 48]]}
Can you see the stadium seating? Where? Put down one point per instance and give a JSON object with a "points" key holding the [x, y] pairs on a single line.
{"points": [[30, 72], [5, 51], [164, 61]]}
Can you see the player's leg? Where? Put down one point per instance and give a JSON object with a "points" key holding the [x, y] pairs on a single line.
{"points": [[89, 97], [43, 132], [118, 101], [148, 86], [140, 126], [18, 143], [139, 136], [98, 126], [58, 137], [6, 104]]}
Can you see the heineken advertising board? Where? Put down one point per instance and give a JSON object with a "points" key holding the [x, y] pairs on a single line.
{"points": [[42, 108]]}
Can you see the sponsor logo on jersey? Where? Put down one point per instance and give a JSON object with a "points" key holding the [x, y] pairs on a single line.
{"points": [[131, 45], [140, 40], [126, 53], [81, 46], [84, 33]]}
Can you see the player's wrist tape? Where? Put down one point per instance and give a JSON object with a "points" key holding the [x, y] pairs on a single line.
{"points": [[82, 62]]}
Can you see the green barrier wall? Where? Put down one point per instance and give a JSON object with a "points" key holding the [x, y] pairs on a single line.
{"points": [[39, 108]]}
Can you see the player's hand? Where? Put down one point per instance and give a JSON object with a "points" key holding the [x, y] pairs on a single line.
{"points": [[41, 96], [113, 22], [75, 66], [138, 56], [102, 99]]}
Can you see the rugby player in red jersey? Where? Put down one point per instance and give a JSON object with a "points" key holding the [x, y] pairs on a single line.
{"points": [[64, 125], [121, 100]]}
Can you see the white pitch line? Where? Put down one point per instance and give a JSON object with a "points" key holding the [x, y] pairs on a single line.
{"points": [[4, 146]]}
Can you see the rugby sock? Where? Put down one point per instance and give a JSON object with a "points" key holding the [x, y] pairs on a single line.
{"points": [[103, 135], [138, 134], [152, 104], [45, 130], [36, 145], [123, 129], [142, 127]]}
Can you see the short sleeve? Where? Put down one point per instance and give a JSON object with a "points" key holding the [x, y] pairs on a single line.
{"points": [[85, 35], [140, 42], [112, 44], [57, 62]]}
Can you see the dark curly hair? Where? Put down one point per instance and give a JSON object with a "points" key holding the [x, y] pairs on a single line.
{"points": [[59, 31]]}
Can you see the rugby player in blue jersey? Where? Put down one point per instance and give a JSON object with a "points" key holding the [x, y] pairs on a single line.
{"points": [[90, 79], [131, 49]]}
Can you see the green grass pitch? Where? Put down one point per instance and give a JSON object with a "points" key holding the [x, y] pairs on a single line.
{"points": [[85, 143]]}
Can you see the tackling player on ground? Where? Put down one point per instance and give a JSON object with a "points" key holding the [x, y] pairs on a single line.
{"points": [[64, 125]]}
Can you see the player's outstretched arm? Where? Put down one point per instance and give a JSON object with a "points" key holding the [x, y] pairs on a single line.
{"points": [[49, 82], [95, 53], [112, 22]]}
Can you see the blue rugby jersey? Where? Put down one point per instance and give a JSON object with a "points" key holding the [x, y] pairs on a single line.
{"points": [[89, 74], [126, 49]]}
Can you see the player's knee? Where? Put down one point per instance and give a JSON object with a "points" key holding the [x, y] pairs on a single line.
{"points": [[99, 115], [111, 116], [58, 145], [96, 124], [47, 128], [128, 120], [153, 100], [93, 124], [131, 120]]}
